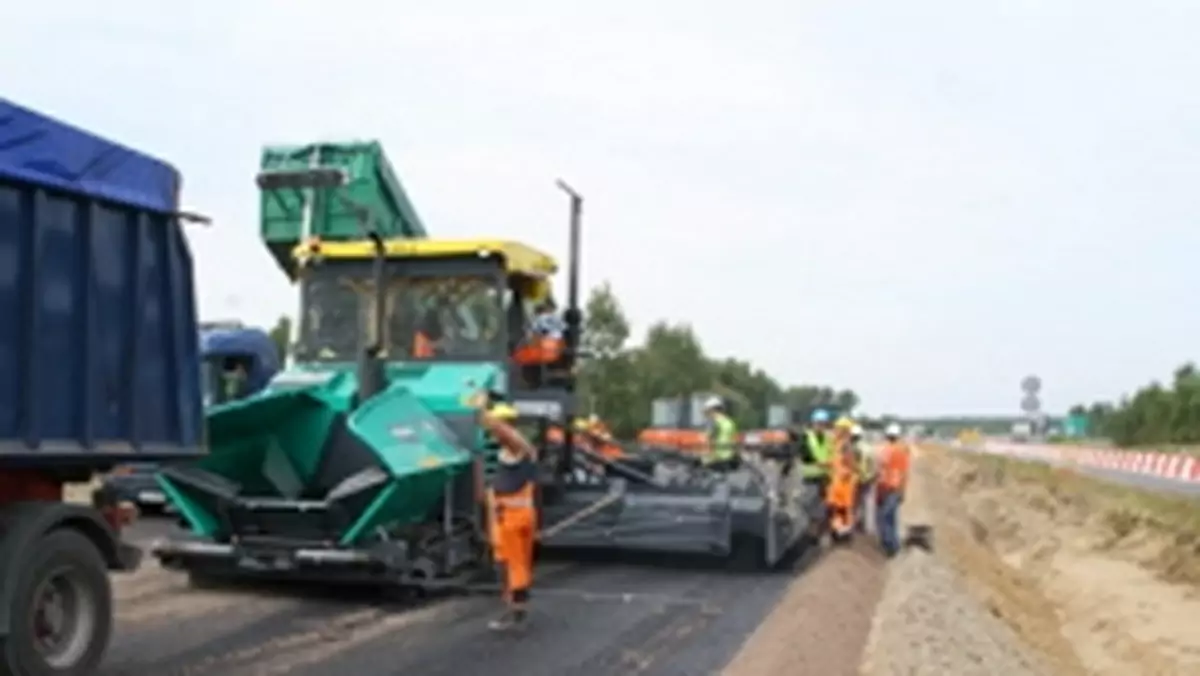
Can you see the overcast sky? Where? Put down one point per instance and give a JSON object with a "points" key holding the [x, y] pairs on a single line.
{"points": [[921, 200]]}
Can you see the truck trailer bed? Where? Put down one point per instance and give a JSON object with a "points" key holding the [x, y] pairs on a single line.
{"points": [[97, 299]]}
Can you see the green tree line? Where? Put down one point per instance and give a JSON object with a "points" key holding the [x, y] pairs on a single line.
{"points": [[619, 380], [1154, 414]]}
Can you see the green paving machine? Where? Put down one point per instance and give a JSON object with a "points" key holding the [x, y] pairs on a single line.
{"points": [[363, 462]]}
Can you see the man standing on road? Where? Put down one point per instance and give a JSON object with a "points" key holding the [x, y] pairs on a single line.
{"points": [[894, 463], [512, 509], [722, 437]]}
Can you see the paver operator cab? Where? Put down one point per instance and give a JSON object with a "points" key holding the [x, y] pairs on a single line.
{"points": [[98, 362]]}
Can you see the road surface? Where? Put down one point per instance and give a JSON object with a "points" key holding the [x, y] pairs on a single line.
{"points": [[586, 619], [1144, 481]]}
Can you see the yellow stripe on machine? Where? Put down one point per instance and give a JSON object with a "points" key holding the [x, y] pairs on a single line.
{"points": [[518, 258]]}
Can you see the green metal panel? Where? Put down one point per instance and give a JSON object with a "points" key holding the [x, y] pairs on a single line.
{"points": [[373, 184], [274, 444]]}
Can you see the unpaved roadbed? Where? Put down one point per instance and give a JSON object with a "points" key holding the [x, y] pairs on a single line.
{"points": [[821, 623]]}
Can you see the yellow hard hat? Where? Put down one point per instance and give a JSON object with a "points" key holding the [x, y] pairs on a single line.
{"points": [[503, 411], [844, 423]]}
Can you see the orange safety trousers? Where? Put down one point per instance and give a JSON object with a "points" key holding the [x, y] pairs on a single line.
{"points": [[513, 531], [842, 492]]}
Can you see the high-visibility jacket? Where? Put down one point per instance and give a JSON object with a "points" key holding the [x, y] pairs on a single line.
{"points": [[722, 439], [894, 460], [821, 452], [866, 462]]}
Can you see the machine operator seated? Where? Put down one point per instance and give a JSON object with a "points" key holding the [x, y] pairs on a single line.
{"points": [[543, 344]]}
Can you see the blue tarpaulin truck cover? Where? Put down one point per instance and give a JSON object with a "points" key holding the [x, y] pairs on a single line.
{"points": [[98, 334], [42, 151]]}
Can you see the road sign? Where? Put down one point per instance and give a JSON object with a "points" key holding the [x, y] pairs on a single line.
{"points": [[1031, 385], [1031, 403], [1076, 426]]}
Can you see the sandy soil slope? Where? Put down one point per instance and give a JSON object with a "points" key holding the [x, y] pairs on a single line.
{"points": [[1095, 578]]}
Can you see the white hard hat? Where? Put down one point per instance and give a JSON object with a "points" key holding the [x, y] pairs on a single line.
{"points": [[712, 403], [856, 431], [892, 430]]}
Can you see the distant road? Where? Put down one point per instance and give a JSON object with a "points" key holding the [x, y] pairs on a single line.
{"points": [[1158, 472], [1144, 481]]}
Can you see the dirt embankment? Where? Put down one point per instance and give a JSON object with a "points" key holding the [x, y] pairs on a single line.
{"points": [[1096, 578]]}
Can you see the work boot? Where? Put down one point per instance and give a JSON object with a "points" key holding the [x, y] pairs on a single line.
{"points": [[511, 619], [506, 621]]}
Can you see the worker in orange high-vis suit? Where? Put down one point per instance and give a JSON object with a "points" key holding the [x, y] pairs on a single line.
{"points": [[842, 493], [890, 486], [605, 445], [512, 511]]}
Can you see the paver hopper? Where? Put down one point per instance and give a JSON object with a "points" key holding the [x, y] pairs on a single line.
{"points": [[301, 470]]}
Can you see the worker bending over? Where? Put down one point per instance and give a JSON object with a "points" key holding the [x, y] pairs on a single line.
{"points": [[722, 453], [512, 510], [843, 481], [892, 484]]}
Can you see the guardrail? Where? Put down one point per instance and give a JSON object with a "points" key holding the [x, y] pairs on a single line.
{"points": [[1173, 466]]}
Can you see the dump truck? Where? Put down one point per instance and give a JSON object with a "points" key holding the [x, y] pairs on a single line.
{"points": [[98, 355], [363, 462]]}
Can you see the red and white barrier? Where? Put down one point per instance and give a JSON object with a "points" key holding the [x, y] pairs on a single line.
{"points": [[1176, 466]]}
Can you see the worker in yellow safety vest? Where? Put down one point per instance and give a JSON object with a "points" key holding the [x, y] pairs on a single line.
{"points": [[722, 437], [816, 450]]}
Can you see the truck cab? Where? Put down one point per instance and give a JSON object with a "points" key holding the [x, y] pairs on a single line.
{"points": [[235, 361]]}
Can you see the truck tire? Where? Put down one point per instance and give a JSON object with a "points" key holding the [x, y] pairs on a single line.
{"points": [[62, 612]]}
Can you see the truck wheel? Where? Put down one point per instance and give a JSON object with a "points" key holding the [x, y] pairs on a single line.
{"points": [[62, 612]]}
